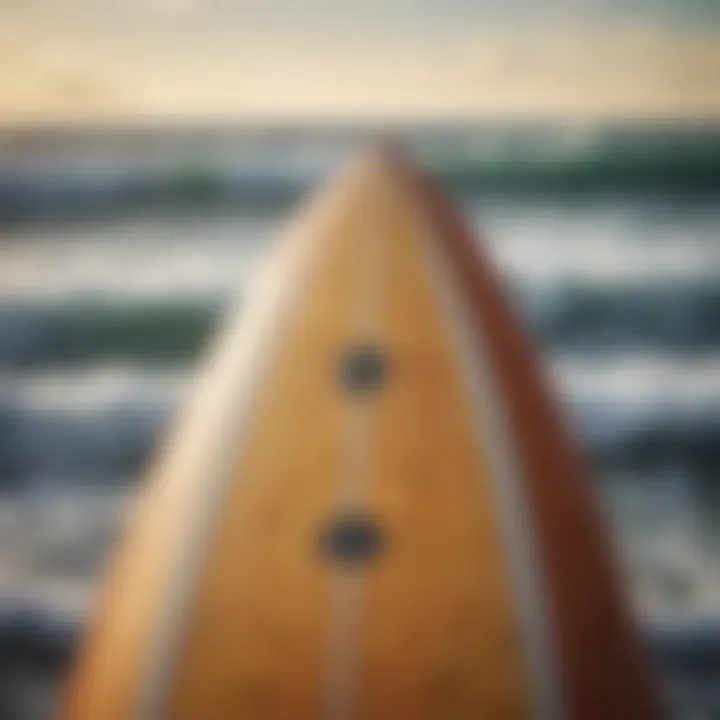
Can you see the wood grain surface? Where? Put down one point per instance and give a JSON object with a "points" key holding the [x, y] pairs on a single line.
{"points": [[225, 603]]}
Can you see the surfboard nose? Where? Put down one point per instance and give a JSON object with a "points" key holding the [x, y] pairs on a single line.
{"points": [[371, 508], [377, 164]]}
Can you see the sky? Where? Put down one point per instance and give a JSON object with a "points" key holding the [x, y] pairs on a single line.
{"points": [[357, 59]]}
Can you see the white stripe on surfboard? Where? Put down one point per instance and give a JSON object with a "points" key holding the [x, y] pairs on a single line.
{"points": [[493, 438], [348, 582]]}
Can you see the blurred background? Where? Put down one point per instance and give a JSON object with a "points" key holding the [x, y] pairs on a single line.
{"points": [[151, 149]]}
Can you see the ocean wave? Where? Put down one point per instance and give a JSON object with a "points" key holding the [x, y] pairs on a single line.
{"points": [[86, 330], [601, 244], [645, 412], [549, 160], [599, 319], [640, 413], [506, 160], [165, 255], [84, 427]]}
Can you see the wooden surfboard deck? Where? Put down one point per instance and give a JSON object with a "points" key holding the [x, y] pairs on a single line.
{"points": [[368, 507]]}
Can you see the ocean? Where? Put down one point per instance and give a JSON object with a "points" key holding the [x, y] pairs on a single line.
{"points": [[120, 251]]}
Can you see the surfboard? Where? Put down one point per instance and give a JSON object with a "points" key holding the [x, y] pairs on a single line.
{"points": [[369, 506]]}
